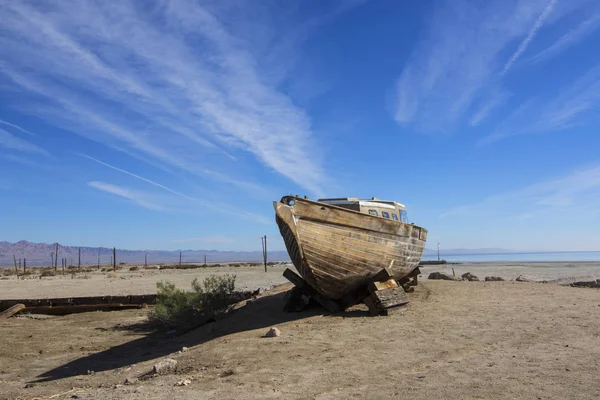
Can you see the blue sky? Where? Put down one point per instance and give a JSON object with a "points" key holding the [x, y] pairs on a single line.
{"points": [[176, 124]]}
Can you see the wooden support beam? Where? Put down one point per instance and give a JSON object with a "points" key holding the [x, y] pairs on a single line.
{"points": [[328, 304], [11, 311], [383, 275], [389, 284], [64, 310], [382, 300]]}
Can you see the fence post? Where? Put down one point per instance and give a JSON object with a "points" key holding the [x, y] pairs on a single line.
{"points": [[145, 260], [114, 258], [15, 261], [79, 261], [180, 259], [56, 258]]}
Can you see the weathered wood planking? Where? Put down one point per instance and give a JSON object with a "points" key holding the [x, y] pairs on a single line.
{"points": [[382, 300], [11, 311], [71, 301], [336, 249]]}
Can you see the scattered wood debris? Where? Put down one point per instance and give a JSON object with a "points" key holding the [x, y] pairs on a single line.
{"points": [[493, 279], [12, 311], [440, 276], [588, 284], [469, 277]]}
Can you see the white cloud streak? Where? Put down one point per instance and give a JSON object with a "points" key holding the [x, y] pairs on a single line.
{"points": [[221, 207], [579, 188], [574, 36], [463, 53], [175, 82], [9, 141], [17, 127], [574, 106], [134, 196], [536, 26]]}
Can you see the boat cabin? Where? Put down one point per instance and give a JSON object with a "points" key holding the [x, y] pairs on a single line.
{"points": [[374, 207]]}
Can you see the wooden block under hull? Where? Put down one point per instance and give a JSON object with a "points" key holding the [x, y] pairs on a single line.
{"points": [[382, 300]]}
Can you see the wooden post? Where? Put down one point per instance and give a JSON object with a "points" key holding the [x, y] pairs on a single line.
{"points": [[79, 261], [205, 260], [114, 258], [180, 259], [15, 261], [265, 253], [98, 260], [145, 260], [24, 264], [19, 263], [52, 258], [56, 257], [262, 242]]}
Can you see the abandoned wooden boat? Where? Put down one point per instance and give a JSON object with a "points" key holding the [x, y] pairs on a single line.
{"points": [[338, 244]]}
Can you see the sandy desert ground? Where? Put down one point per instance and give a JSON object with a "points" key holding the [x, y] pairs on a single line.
{"points": [[143, 281], [463, 340]]}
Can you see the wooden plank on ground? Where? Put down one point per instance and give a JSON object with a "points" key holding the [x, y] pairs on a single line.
{"points": [[11, 311], [64, 310], [328, 304], [382, 300]]}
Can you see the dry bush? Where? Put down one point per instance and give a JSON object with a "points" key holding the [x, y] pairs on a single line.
{"points": [[112, 274], [47, 272], [176, 308], [134, 268]]}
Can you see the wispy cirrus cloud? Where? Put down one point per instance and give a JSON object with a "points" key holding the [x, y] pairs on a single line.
{"points": [[456, 74], [576, 105], [135, 196], [572, 37], [12, 142], [195, 201], [530, 35], [17, 127], [579, 189], [181, 83]]}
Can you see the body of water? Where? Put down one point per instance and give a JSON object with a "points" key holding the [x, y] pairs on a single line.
{"points": [[520, 257]]}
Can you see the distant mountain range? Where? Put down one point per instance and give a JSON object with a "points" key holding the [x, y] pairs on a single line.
{"points": [[40, 254]]}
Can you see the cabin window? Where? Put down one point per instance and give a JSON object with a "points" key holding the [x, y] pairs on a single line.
{"points": [[403, 216], [385, 214], [394, 217], [373, 213]]}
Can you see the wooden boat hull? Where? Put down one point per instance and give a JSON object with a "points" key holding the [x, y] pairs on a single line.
{"points": [[336, 250]]}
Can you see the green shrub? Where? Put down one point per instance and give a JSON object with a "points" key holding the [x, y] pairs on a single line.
{"points": [[176, 308]]}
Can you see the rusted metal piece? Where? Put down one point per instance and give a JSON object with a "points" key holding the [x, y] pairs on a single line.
{"points": [[338, 250]]}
